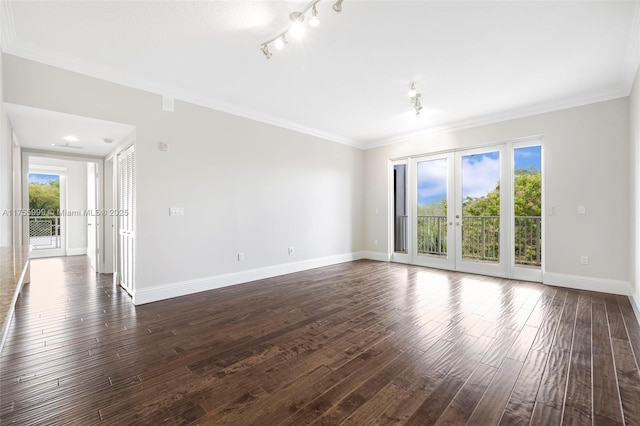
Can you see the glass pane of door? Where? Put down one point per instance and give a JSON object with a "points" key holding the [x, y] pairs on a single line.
{"points": [[480, 207], [433, 239], [527, 206]]}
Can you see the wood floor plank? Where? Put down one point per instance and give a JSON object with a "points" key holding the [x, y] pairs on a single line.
{"points": [[578, 405], [464, 403], [628, 375], [606, 395], [361, 342], [491, 407]]}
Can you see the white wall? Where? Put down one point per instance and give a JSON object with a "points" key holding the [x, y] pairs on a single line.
{"points": [[245, 186], [585, 151], [5, 172], [634, 193]]}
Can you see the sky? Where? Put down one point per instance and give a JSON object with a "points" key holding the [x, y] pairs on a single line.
{"points": [[42, 178], [480, 173]]}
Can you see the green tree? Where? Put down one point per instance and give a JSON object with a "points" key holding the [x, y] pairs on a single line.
{"points": [[45, 197], [527, 202], [528, 192]]}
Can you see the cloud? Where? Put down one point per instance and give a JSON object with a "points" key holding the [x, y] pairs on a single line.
{"points": [[432, 180], [480, 174]]}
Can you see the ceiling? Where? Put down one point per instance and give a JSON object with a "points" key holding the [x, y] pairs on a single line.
{"points": [[40, 130], [347, 80]]}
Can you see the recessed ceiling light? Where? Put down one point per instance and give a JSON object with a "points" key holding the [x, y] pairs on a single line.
{"points": [[70, 138]]}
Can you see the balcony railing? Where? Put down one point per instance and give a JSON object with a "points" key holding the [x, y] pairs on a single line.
{"points": [[528, 240], [44, 232], [481, 238], [432, 235]]}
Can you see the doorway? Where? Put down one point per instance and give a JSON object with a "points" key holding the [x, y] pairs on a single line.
{"points": [[476, 210]]}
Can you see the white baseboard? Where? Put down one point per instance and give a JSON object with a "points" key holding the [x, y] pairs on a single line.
{"points": [[183, 288], [587, 283], [24, 278], [38, 254], [374, 255], [77, 251], [636, 308]]}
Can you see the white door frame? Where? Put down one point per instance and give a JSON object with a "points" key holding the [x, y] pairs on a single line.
{"points": [[506, 266], [27, 155]]}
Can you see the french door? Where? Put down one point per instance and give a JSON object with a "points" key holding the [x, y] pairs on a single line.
{"points": [[460, 213]]}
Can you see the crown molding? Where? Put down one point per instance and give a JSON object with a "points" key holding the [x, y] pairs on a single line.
{"points": [[56, 59], [496, 118], [11, 45], [632, 55], [7, 27]]}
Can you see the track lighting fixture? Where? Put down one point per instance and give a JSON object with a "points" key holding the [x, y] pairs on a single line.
{"points": [[415, 98], [296, 28], [265, 50], [314, 21]]}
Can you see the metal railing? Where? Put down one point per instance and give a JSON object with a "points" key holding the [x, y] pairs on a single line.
{"points": [[481, 238], [528, 240], [432, 235], [44, 232]]}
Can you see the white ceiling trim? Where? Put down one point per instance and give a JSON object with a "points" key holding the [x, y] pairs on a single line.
{"points": [[62, 155], [11, 45], [632, 56], [56, 59], [496, 118], [8, 33]]}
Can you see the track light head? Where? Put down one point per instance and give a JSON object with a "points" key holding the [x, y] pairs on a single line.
{"points": [[296, 29], [415, 98], [314, 21], [412, 90], [265, 49], [296, 17], [280, 42]]}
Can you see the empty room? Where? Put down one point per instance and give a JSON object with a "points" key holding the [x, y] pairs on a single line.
{"points": [[320, 212]]}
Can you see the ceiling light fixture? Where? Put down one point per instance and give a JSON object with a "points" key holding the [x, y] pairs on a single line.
{"points": [[296, 28], [70, 138], [314, 21], [415, 98], [65, 145], [265, 50]]}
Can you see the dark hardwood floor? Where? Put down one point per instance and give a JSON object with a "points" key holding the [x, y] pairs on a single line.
{"points": [[357, 343]]}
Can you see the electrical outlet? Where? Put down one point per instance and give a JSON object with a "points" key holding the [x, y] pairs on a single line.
{"points": [[291, 251], [176, 211], [584, 260], [240, 257]]}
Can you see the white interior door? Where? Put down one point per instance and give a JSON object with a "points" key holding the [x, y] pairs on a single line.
{"points": [[126, 219], [92, 219]]}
